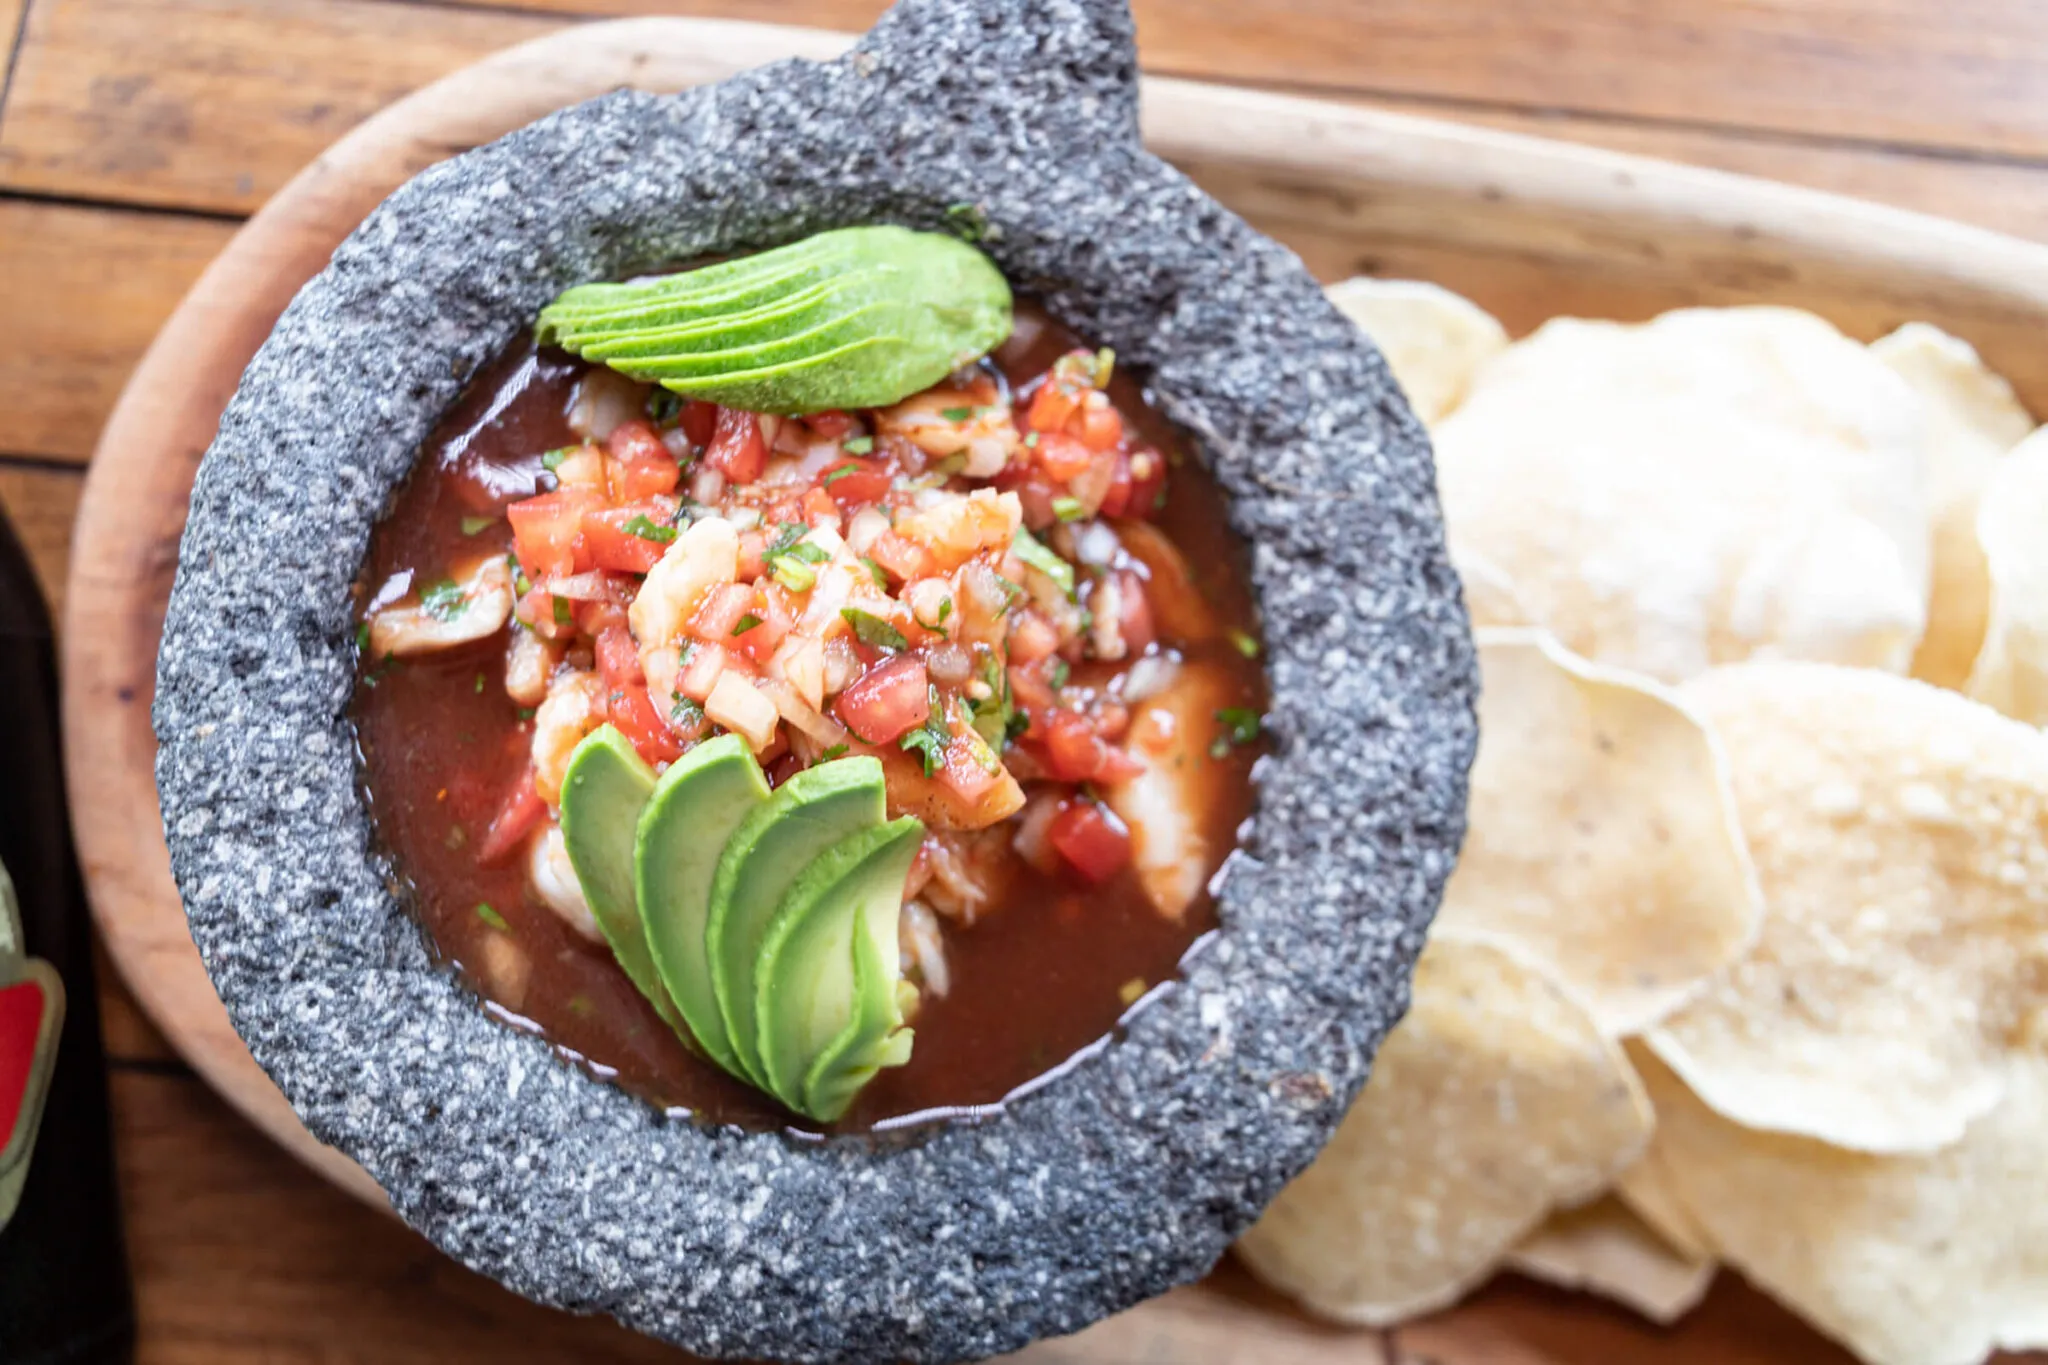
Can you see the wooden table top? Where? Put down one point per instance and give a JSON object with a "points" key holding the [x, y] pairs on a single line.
{"points": [[135, 134]]}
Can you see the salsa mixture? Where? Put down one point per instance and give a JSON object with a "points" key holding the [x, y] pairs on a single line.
{"points": [[1009, 589]]}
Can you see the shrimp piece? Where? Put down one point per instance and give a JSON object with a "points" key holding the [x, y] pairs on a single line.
{"points": [[1167, 805], [574, 707], [923, 947], [944, 422], [529, 662], [954, 528], [553, 879], [473, 605], [704, 556]]}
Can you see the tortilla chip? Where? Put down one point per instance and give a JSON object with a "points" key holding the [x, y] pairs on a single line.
{"points": [[1434, 340], [1496, 1100], [1901, 836], [1490, 596], [1974, 418], [2012, 527], [1908, 1260], [1650, 1192], [1605, 1249], [1602, 838], [1710, 487]]}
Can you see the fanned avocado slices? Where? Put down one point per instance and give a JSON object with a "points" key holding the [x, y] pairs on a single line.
{"points": [[773, 845], [855, 318], [810, 996], [604, 789], [693, 811]]}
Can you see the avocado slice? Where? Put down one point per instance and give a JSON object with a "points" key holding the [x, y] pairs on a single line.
{"points": [[809, 995], [772, 846], [604, 789], [873, 1039], [695, 808]]}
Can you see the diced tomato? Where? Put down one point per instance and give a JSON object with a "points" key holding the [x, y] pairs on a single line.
{"points": [[632, 711], [1051, 406], [819, 509], [1031, 638], [536, 610], [618, 661], [1134, 614], [547, 531], [719, 615], [626, 539], [777, 614], [902, 558], [1101, 427], [1062, 457], [737, 449], [965, 773], [857, 482], [1093, 841], [1073, 751], [641, 466], [594, 618], [699, 421], [1148, 480], [889, 699], [832, 424], [753, 560], [515, 820], [1117, 767]]}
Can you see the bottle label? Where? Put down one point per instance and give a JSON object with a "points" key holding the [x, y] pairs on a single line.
{"points": [[31, 1020]]}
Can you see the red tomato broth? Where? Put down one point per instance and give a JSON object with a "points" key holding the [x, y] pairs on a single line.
{"points": [[1036, 978]]}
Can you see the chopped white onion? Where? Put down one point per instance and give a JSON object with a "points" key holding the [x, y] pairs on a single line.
{"points": [[923, 946], [948, 662], [1096, 544], [867, 524], [604, 401], [1148, 677]]}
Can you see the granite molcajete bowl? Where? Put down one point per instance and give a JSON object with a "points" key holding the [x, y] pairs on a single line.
{"points": [[1124, 1176]]}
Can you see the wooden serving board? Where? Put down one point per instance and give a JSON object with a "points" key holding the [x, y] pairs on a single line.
{"points": [[1530, 229]]}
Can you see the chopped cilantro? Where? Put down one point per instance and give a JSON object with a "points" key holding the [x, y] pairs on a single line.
{"points": [[1013, 593], [1027, 548], [1244, 644], [491, 917], [874, 569], [521, 584], [685, 712], [956, 414], [363, 637], [792, 573], [833, 476], [553, 459], [1105, 366], [787, 534], [648, 530], [1069, 509], [472, 525], [858, 445], [930, 739], [836, 751], [1057, 672], [443, 600], [873, 630], [1031, 441], [663, 407], [746, 623], [937, 623], [969, 221], [479, 684], [1241, 726], [526, 713], [563, 612]]}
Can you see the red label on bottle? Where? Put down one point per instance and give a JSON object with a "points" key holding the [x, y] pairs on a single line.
{"points": [[23, 1008]]}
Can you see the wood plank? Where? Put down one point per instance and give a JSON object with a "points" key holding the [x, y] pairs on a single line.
{"points": [[241, 1256], [1962, 74], [212, 104], [219, 131], [83, 290], [127, 1035], [42, 503]]}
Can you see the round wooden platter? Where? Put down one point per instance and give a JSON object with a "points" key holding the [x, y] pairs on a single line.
{"points": [[1531, 229]]}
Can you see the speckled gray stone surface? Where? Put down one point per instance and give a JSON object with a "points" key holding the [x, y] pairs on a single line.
{"points": [[1126, 1176]]}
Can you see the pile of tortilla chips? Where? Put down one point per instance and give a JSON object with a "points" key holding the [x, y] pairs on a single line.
{"points": [[1746, 961]]}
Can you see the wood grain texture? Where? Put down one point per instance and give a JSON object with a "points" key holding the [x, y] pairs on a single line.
{"points": [[83, 291], [1965, 74], [42, 503], [213, 104]]}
